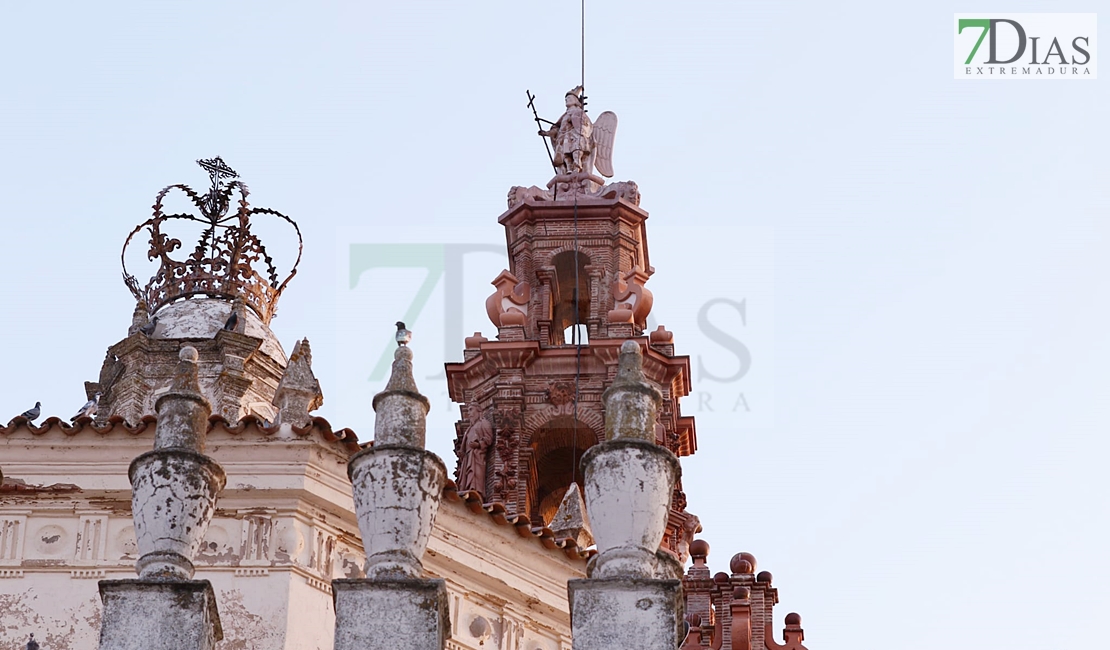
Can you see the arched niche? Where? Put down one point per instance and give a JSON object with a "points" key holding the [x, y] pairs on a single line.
{"points": [[557, 449], [571, 284]]}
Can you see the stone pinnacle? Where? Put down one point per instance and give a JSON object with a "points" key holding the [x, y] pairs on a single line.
{"points": [[631, 402], [183, 411], [401, 409]]}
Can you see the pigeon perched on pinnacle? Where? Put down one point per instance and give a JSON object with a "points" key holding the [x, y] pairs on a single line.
{"points": [[89, 409], [33, 413], [148, 329], [232, 321], [403, 335]]}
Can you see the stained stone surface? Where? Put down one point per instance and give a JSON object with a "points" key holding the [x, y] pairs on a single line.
{"points": [[395, 614], [202, 318], [162, 615], [618, 613], [397, 492], [401, 411]]}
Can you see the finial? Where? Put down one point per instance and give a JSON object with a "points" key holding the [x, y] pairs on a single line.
{"points": [[185, 376], [631, 402], [32, 644], [182, 410], [401, 409], [140, 318]]}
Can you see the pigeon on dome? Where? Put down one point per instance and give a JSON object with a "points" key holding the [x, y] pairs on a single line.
{"points": [[403, 335], [231, 322], [148, 329], [89, 409], [32, 414]]}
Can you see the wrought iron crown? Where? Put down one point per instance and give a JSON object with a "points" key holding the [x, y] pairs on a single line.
{"points": [[228, 261]]}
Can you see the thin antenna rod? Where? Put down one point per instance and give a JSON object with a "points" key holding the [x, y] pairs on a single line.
{"points": [[583, 47], [577, 341]]}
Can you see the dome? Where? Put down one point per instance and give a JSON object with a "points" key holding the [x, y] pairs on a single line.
{"points": [[203, 318]]}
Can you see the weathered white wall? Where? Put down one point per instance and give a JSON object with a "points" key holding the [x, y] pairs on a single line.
{"points": [[284, 528]]}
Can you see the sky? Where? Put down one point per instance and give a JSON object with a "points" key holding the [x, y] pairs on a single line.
{"points": [[891, 283]]}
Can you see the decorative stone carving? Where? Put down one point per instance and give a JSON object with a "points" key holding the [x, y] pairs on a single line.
{"points": [[474, 455], [627, 190], [92, 538], [518, 195], [139, 318], [174, 487], [508, 305], [397, 484], [298, 393], [13, 526], [571, 520], [691, 527], [397, 488], [506, 444], [632, 299]]}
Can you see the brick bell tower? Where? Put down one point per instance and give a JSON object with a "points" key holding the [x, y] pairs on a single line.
{"points": [[531, 401]]}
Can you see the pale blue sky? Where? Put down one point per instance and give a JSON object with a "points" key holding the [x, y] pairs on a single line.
{"points": [[923, 261]]}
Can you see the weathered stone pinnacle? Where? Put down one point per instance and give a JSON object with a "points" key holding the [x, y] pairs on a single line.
{"points": [[298, 393], [631, 402], [401, 409], [570, 519], [183, 411], [139, 318]]}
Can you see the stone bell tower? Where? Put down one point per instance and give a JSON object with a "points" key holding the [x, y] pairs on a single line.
{"points": [[573, 293], [218, 298]]}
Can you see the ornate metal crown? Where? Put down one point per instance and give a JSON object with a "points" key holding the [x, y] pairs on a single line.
{"points": [[227, 258]]}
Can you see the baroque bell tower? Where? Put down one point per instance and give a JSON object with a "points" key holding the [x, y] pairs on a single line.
{"points": [[574, 291]]}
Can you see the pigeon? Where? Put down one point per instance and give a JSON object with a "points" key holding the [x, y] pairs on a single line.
{"points": [[33, 414], [232, 321], [89, 409], [149, 328], [32, 644], [403, 335]]}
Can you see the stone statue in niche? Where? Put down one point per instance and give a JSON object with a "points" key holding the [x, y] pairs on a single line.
{"points": [[475, 448]]}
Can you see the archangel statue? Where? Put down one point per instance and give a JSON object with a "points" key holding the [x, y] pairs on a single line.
{"points": [[581, 146]]}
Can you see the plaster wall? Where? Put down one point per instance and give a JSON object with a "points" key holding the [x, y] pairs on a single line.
{"points": [[284, 528]]}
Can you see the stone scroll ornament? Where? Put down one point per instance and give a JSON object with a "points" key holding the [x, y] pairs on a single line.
{"points": [[508, 305], [397, 483], [174, 487]]}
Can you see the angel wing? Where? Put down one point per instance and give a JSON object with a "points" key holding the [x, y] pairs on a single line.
{"points": [[605, 129]]}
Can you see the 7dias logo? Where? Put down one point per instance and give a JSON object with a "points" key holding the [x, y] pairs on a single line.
{"points": [[1025, 46]]}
